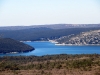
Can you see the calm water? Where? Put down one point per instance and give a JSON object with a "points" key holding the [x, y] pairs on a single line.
{"points": [[44, 48]]}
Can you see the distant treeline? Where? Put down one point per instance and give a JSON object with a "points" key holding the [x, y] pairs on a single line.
{"points": [[25, 59], [34, 34]]}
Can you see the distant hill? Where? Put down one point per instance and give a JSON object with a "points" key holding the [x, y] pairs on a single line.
{"points": [[42, 33], [51, 26], [8, 45], [84, 38]]}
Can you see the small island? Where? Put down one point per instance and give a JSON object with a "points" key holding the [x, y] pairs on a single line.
{"points": [[8, 45]]}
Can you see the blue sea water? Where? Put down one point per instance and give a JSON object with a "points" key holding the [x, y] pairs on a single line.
{"points": [[48, 48]]}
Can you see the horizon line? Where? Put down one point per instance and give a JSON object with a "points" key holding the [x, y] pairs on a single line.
{"points": [[49, 24]]}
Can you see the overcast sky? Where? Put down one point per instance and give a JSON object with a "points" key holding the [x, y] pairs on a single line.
{"points": [[39, 12]]}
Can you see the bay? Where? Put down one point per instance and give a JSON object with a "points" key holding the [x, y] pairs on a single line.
{"points": [[48, 48]]}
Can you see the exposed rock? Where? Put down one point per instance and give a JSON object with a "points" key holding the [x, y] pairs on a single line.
{"points": [[84, 38]]}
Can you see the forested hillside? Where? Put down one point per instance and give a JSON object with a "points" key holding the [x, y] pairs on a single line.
{"points": [[51, 26], [8, 45], [63, 64], [42, 33]]}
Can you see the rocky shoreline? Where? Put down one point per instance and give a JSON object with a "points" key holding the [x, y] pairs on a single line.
{"points": [[84, 38]]}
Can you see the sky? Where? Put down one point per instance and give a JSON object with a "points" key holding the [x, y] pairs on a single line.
{"points": [[42, 12]]}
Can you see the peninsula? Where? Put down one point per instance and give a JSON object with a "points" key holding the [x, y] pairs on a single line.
{"points": [[8, 45]]}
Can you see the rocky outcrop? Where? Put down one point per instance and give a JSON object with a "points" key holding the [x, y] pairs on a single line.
{"points": [[84, 38]]}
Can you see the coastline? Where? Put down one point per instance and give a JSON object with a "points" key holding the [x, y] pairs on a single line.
{"points": [[18, 52], [77, 44], [63, 44]]}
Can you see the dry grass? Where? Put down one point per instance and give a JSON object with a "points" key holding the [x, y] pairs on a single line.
{"points": [[50, 72], [84, 65]]}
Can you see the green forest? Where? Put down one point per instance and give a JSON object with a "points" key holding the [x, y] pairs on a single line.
{"points": [[8, 45], [42, 33]]}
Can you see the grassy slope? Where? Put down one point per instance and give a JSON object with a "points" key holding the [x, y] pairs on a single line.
{"points": [[51, 65]]}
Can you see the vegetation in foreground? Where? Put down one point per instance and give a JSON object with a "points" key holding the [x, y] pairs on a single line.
{"points": [[63, 64]]}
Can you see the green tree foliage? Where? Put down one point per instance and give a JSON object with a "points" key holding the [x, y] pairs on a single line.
{"points": [[34, 34]]}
